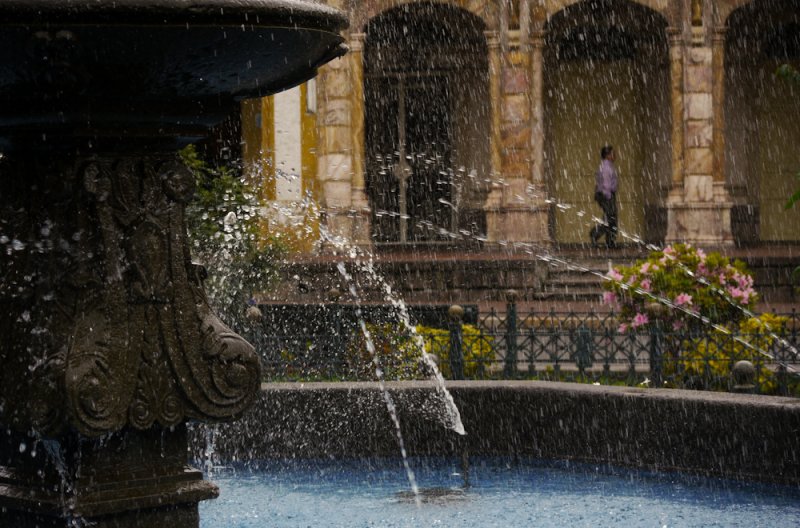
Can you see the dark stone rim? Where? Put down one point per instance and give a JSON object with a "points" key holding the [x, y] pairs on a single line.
{"points": [[287, 13]]}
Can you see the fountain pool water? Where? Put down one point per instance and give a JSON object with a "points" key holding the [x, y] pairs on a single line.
{"points": [[502, 492], [329, 458]]}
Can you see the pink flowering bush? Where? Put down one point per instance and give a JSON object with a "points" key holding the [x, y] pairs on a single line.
{"points": [[680, 287], [699, 300]]}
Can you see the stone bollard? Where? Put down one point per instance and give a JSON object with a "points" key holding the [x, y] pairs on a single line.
{"points": [[744, 377], [253, 314]]}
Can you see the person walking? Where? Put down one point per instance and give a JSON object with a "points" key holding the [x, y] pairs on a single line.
{"points": [[605, 194]]}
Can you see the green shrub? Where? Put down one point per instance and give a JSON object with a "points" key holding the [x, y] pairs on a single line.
{"points": [[397, 354], [477, 349]]}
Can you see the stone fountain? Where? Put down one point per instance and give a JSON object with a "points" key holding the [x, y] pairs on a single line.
{"points": [[108, 344]]}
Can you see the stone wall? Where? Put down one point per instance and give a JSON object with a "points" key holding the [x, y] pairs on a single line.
{"points": [[675, 109], [730, 435]]}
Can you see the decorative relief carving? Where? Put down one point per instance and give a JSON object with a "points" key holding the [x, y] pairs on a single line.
{"points": [[130, 338]]}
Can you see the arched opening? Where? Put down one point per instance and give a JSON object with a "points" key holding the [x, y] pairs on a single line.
{"points": [[426, 123], [607, 82], [761, 116]]}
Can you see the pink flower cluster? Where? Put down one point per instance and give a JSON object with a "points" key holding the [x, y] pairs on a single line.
{"points": [[683, 299], [682, 277], [740, 287], [639, 319]]}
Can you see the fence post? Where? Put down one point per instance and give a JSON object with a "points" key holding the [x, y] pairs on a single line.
{"points": [[456, 314], [584, 349], [656, 355], [510, 369], [657, 311], [332, 340]]}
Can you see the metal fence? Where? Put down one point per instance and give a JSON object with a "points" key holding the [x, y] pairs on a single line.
{"points": [[331, 344]]}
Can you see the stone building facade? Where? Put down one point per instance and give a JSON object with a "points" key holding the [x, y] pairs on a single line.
{"points": [[481, 121]]}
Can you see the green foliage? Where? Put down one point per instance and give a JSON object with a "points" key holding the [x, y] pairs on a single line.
{"points": [[790, 74], [398, 355], [223, 227], [703, 302], [477, 349], [706, 360], [219, 192], [389, 349]]}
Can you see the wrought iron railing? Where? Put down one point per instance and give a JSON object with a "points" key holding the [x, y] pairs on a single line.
{"points": [[330, 344]]}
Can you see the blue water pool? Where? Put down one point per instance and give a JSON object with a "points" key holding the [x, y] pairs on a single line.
{"points": [[501, 493]]}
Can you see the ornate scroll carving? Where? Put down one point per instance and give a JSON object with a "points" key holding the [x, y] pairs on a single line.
{"points": [[100, 361], [130, 338]]}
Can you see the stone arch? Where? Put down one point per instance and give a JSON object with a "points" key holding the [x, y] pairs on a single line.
{"points": [[724, 9], [485, 10], [761, 112], [666, 8], [426, 101], [607, 81]]}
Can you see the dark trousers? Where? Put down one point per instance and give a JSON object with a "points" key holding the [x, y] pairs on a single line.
{"points": [[609, 226]]}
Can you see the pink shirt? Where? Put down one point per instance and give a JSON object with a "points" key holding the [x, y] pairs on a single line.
{"points": [[606, 179]]}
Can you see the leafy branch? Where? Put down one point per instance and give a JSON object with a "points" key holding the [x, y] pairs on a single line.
{"points": [[223, 223], [791, 75]]}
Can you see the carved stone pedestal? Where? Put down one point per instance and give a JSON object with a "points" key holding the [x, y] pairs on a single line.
{"points": [[107, 343], [126, 479], [108, 346], [512, 215], [699, 213]]}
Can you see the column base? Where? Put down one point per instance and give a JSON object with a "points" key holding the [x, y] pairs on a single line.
{"points": [[511, 224], [351, 227], [699, 223]]}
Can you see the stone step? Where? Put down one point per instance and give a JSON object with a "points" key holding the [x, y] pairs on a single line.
{"points": [[591, 296]]}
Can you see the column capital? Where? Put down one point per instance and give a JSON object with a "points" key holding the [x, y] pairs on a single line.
{"points": [[492, 39], [356, 42], [538, 38], [674, 35]]}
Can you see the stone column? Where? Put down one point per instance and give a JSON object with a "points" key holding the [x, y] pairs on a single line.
{"points": [[675, 194], [513, 212], [698, 206], [340, 100], [538, 187], [718, 73], [495, 198], [676, 99], [359, 201]]}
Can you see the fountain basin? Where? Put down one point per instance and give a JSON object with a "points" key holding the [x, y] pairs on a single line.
{"points": [[124, 69], [110, 344], [736, 436]]}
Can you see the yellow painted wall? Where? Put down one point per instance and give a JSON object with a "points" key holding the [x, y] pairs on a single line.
{"points": [[311, 185], [258, 144], [258, 135], [779, 155], [589, 106]]}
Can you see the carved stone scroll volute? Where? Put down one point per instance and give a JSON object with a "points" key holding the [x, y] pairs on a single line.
{"points": [[100, 361], [217, 370], [142, 345]]}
